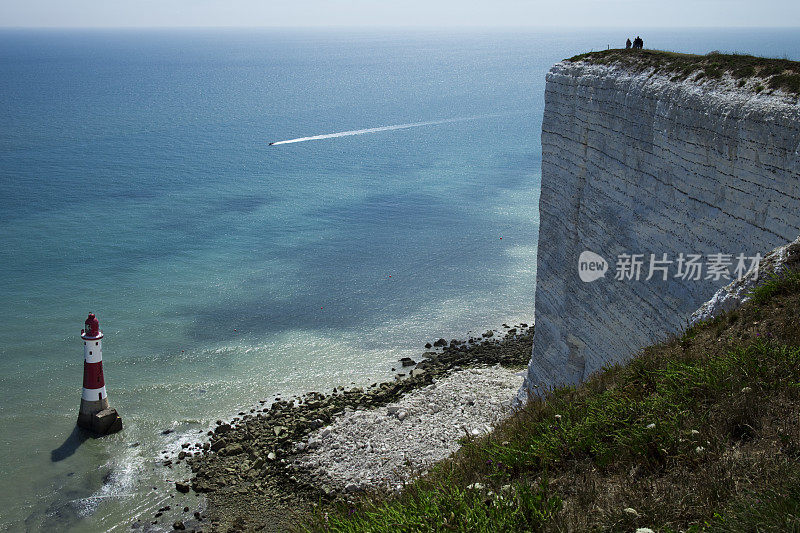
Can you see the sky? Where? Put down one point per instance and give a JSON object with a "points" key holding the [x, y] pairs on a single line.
{"points": [[400, 13]]}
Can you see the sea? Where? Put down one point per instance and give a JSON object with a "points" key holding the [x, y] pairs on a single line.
{"points": [[138, 183]]}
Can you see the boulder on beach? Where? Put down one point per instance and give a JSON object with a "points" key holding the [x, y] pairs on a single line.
{"points": [[234, 449]]}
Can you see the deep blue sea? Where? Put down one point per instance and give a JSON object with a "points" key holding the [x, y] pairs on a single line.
{"points": [[138, 183]]}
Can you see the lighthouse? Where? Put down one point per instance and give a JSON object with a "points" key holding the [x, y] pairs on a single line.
{"points": [[95, 414]]}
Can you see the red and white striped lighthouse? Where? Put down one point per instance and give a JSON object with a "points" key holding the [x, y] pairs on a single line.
{"points": [[94, 414]]}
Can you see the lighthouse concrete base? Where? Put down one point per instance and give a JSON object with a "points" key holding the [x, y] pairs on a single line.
{"points": [[98, 418]]}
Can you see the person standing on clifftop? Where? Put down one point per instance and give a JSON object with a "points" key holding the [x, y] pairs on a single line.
{"points": [[628, 44]]}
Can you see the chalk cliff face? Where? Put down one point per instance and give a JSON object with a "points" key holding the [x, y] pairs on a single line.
{"points": [[634, 163]]}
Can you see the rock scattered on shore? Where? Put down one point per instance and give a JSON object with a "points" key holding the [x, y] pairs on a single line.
{"points": [[248, 466]]}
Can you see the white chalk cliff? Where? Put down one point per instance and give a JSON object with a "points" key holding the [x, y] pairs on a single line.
{"points": [[636, 163]]}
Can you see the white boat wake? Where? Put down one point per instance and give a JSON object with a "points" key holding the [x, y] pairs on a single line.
{"points": [[382, 128]]}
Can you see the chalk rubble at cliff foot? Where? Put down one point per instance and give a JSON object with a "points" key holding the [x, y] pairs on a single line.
{"points": [[383, 448], [737, 292], [641, 163]]}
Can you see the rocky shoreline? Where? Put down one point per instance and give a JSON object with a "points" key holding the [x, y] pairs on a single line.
{"points": [[266, 466]]}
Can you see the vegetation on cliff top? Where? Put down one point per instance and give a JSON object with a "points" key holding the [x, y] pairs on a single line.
{"points": [[699, 433], [769, 73]]}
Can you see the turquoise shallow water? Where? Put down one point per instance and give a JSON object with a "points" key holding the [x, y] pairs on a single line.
{"points": [[138, 184]]}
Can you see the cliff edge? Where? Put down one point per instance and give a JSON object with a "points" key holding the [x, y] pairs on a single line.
{"points": [[645, 158]]}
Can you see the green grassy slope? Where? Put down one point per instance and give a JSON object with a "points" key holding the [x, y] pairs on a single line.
{"points": [[780, 74], [699, 433]]}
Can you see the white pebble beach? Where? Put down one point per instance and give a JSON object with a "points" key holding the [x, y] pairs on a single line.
{"points": [[383, 448]]}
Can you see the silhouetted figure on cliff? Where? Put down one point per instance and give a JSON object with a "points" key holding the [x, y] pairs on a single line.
{"points": [[627, 44], [638, 43]]}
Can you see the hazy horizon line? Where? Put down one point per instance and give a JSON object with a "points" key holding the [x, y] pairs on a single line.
{"points": [[389, 26]]}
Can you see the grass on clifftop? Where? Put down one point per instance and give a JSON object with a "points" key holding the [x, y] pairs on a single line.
{"points": [[699, 433], [769, 73]]}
